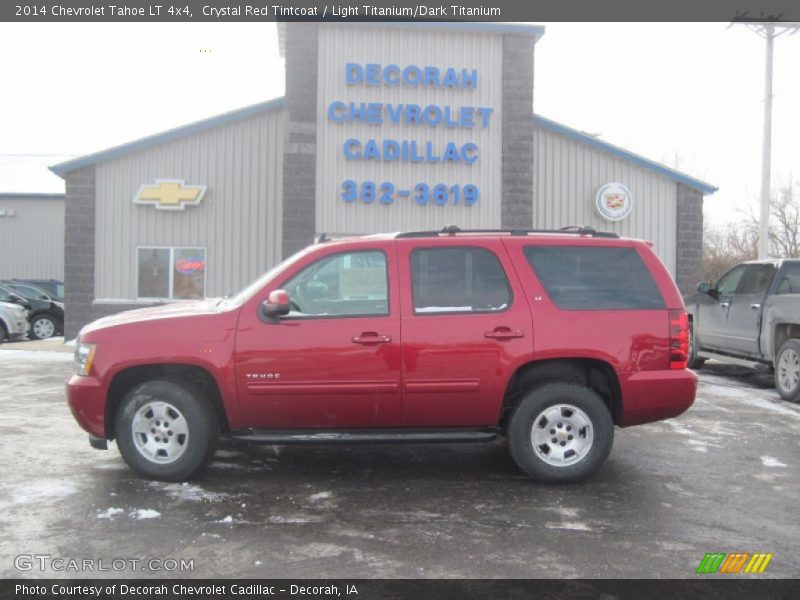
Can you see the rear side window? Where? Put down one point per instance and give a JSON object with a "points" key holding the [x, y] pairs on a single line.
{"points": [[594, 278], [455, 280]]}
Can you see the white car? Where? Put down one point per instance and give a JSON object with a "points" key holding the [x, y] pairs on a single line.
{"points": [[13, 321]]}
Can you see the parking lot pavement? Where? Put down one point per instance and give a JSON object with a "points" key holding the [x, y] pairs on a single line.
{"points": [[721, 478]]}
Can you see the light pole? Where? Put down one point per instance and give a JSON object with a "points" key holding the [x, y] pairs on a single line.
{"points": [[769, 31]]}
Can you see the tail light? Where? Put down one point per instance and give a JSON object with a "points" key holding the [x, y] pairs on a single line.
{"points": [[678, 339]]}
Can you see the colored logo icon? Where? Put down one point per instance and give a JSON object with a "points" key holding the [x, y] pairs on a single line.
{"points": [[734, 562]]}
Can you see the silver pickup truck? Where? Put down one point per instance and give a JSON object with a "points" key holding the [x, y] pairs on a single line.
{"points": [[750, 317]]}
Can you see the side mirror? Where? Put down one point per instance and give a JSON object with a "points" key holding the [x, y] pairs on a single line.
{"points": [[704, 287], [16, 299], [275, 306]]}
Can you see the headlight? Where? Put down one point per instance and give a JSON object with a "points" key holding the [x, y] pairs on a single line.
{"points": [[84, 356]]}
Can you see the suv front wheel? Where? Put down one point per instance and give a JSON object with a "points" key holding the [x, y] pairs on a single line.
{"points": [[560, 433], [166, 429]]}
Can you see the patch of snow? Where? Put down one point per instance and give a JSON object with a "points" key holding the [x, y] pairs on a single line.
{"points": [[701, 445], [228, 519], [293, 520], [572, 525], [71, 343], [35, 356], [258, 563], [187, 491], [678, 428], [109, 513], [320, 550], [319, 496], [751, 398], [145, 513], [769, 461], [565, 512], [41, 490]]}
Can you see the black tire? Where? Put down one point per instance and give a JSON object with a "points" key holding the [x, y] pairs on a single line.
{"points": [[201, 424], [694, 362], [3, 333], [532, 460], [43, 323], [787, 371]]}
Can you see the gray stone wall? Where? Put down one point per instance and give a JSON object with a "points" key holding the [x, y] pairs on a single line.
{"points": [[689, 239], [78, 250], [517, 189], [300, 146]]}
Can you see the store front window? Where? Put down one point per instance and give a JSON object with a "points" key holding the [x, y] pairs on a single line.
{"points": [[171, 273]]}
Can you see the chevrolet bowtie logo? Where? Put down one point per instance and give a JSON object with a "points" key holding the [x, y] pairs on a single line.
{"points": [[170, 194]]}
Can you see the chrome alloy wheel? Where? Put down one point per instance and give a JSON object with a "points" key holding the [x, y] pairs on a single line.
{"points": [[44, 328], [160, 432], [562, 435], [788, 370]]}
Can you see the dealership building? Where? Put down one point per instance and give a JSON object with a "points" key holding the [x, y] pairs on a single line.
{"points": [[384, 127]]}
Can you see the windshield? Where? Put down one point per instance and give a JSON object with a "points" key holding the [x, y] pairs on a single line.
{"points": [[249, 291]]}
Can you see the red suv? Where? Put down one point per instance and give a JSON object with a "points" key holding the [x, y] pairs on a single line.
{"points": [[548, 338]]}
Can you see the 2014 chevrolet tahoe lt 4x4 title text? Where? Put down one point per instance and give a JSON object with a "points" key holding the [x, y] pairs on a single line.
{"points": [[548, 338]]}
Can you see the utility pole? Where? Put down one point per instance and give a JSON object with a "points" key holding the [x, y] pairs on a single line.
{"points": [[769, 31]]}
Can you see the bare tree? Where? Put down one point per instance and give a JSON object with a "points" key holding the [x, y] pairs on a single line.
{"points": [[738, 242]]}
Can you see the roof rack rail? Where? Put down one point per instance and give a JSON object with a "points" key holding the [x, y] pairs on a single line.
{"points": [[453, 229]]}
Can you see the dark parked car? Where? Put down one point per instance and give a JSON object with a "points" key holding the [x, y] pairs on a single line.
{"points": [[53, 287], [46, 315]]}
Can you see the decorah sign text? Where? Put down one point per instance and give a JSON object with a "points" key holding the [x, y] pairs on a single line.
{"points": [[423, 116]]}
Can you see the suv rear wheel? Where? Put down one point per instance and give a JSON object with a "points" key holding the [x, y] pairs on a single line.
{"points": [[166, 429], [560, 433]]}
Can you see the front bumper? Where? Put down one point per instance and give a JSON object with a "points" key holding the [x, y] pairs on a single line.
{"points": [[655, 395], [18, 327], [86, 399]]}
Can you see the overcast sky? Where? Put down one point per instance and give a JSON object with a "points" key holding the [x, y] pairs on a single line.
{"points": [[688, 95]]}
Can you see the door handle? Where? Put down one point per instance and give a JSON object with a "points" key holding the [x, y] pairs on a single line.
{"points": [[724, 304], [370, 337], [503, 333], [755, 306]]}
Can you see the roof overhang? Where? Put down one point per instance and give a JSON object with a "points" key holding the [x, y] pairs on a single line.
{"points": [[198, 126], [584, 138], [536, 31]]}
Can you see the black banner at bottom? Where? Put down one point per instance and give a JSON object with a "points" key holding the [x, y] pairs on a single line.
{"points": [[397, 589]]}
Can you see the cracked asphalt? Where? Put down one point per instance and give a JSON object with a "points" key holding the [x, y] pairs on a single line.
{"points": [[721, 478]]}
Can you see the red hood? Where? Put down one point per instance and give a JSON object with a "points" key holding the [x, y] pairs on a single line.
{"points": [[177, 310]]}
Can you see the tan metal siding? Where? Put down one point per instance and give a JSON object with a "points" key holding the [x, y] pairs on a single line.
{"points": [[32, 241], [567, 175], [238, 222], [341, 44]]}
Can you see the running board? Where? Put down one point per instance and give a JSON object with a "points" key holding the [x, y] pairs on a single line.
{"points": [[733, 360], [365, 436]]}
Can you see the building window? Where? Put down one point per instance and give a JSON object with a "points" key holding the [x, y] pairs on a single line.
{"points": [[172, 273]]}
